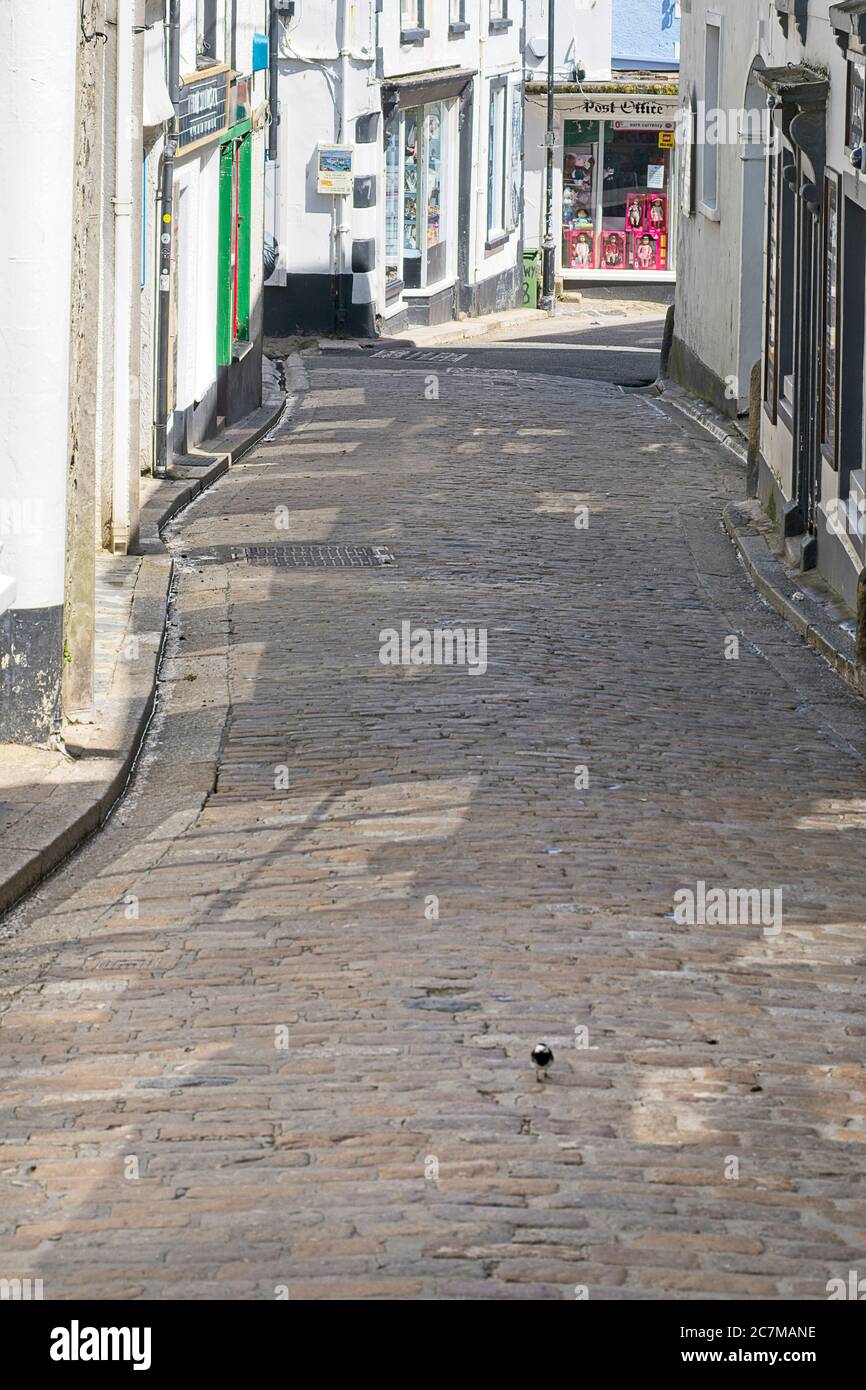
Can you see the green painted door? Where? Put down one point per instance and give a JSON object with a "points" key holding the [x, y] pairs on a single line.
{"points": [[235, 246]]}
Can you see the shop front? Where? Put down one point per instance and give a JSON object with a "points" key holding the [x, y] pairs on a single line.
{"points": [[617, 208], [425, 210]]}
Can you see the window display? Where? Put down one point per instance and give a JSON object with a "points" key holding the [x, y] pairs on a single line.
{"points": [[434, 176], [615, 196], [416, 203], [393, 273]]}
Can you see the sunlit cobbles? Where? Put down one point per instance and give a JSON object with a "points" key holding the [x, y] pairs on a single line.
{"points": [[450, 871]]}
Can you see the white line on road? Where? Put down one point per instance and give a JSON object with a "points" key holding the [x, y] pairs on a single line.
{"points": [[562, 347]]}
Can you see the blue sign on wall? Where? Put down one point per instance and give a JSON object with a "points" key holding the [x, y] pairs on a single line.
{"points": [[261, 52], [646, 34]]}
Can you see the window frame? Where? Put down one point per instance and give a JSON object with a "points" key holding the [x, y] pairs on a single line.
{"points": [[830, 445], [497, 231], [855, 62], [501, 22], [711, 209], [771, 288], [416, 31], [458, 24], [210, 23]]}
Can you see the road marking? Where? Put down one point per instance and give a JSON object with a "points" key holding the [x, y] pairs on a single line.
{"points": [[563, 347]]}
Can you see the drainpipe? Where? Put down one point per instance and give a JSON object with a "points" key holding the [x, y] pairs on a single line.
{"points": [[122, 203], [548, 299], [274, 83], [343, 228], [162, 458]]}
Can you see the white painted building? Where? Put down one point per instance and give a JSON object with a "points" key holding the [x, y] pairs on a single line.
{"points": [[423, 101], [217, 215], [616, 159], [773, 260], [114, 263]]}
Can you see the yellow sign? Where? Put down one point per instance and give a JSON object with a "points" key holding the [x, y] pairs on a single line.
{"points": [[666, 139]]}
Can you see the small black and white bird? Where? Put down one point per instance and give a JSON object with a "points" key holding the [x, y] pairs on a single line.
{"points": [[542, 1060]]}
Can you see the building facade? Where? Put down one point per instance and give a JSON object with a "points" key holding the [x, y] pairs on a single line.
{"points": [[616, 155], [778, 223], [134, 284], [397, 196]]}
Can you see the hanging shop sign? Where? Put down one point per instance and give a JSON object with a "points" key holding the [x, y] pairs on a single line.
{"points": [[336, 169], [203, 109]]}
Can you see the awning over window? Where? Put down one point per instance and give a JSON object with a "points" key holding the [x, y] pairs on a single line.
{"points": [[158, 106], [414, 91]]}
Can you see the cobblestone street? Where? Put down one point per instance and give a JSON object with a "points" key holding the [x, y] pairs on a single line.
{"points": [[269, 1033]]}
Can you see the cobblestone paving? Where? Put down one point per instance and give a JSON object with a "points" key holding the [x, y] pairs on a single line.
{"points": [[241, 1054]]}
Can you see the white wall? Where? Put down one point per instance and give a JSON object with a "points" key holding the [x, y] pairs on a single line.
{"points": [[38, 50], [710, 249], [583, 36]]}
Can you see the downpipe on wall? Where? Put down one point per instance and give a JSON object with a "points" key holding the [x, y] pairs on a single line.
{"points": [[122, 205], [548, 298], [165, 222], [342, 227]]}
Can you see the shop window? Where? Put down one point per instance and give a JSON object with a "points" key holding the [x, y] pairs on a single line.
{"points": [[830, 319], [497, 141], [709, 146], [393, 206], [616, 196], [854, 111], [516, 156], [771, 333], [786, 297], [424, 204]]}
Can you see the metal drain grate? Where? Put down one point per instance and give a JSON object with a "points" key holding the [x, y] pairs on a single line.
{"points": [[313, 557]]}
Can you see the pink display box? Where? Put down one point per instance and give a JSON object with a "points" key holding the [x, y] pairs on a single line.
{"points": [[656, 212], [646, 254], [581, 248], [612, 256], [635, 212]]}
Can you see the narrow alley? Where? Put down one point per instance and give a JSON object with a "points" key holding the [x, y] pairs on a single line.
{"points": [[269, 1034]]}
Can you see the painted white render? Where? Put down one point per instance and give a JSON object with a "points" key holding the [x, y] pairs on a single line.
{"points": [[715, 322], [583, 39], [38, 50], [384, 69]]}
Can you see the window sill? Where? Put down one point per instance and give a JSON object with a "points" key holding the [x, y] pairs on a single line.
{"points": [[414, 36], [427, 291], [496, 239], [712, 214], [500, 26], [785, 413], [458, 29]]}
